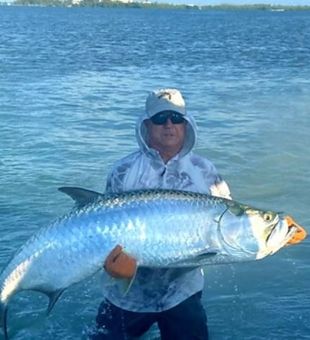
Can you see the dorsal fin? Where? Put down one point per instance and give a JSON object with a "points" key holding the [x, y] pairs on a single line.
{"points": [[81, 196]]}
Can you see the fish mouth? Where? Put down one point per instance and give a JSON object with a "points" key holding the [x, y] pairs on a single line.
{"points": [[284, 232], [298, 232]]}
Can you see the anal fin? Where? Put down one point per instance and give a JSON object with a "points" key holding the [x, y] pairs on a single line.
{"points": [[53, 298]]}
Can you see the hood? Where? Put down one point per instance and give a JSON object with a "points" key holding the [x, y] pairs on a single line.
{"points": [[161, 102]]}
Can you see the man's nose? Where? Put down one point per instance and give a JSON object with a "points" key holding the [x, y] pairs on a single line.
{"points": [[168, 122]]}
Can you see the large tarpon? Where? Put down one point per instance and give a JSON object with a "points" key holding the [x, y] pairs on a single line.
{"points": [[159, 228]]}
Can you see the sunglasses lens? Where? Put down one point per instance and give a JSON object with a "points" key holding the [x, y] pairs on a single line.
{"points": [[162, 118], [176, 118], [159, 119]]}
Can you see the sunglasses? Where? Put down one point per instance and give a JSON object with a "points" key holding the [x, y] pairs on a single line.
{"points": [[161, 118]]}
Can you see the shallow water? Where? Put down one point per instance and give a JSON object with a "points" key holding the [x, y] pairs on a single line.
{"points": [[72, 82]]}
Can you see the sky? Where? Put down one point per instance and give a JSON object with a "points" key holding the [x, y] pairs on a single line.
{"points": [[245, 2], [237, 2], [273, 2]]}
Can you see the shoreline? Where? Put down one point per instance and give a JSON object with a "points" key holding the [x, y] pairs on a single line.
{"points": [[151, 5]]}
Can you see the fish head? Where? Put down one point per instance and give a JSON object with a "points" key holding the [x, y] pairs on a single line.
{"points": [[250, 233]]}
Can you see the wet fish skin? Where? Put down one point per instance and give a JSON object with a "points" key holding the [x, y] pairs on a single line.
{"points": [[159, 228]]}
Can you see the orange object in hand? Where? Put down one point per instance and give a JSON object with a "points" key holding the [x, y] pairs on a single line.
{"points": [[120, 265], [300, 233]]}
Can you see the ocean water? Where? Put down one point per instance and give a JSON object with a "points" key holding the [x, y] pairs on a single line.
{"points": [[73, 81]]}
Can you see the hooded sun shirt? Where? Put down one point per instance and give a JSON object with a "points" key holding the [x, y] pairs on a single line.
{"points": [[156, 290]]}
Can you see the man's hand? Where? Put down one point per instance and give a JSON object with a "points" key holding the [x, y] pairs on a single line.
{"points": [[120, 265]]}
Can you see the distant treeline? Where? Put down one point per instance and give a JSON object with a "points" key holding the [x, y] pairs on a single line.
{"points": [[96, 3], [139, 4]]}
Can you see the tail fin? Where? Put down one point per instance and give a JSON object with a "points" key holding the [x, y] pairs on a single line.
{"points": [[3, 319]]}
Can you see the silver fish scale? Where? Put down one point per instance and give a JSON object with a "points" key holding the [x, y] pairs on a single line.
{"points": [[158, 228], [146, 196], [168, 229]]}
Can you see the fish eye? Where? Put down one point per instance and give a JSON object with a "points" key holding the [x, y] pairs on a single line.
{"points": [[267, 216]]}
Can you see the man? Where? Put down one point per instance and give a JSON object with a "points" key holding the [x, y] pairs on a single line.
{"points": [[166, 134]]}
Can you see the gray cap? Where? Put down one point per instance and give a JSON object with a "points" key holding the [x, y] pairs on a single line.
{"points": [[165, 100]]}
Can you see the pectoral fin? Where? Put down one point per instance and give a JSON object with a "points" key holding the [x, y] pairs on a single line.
{"points": [[197, 261], [124, 285], [204, 256]]}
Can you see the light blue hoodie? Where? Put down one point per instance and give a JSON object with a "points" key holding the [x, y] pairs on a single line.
{"points": [[155, 290]]}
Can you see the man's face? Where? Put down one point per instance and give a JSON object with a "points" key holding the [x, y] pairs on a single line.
{"points": [[167, 137]]}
